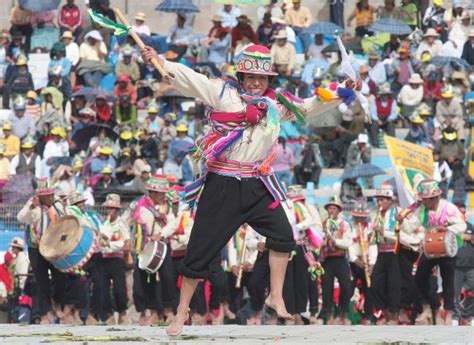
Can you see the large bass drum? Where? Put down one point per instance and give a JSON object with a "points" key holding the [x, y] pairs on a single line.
{"points": [[440, 243], [68, 245]]}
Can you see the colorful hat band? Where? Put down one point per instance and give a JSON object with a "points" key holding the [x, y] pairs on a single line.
{"points": [[251, 64]]}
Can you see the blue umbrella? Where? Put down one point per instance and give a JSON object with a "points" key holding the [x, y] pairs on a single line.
{"points": [[362, 170], [177, 6], [40, 6], [322, 28], [391, 26], [441, 61]]}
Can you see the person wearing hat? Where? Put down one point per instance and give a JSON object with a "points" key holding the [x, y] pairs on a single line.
{"points": [[27, 161], [432, 87], [106, 183], [182, 141], [152, 214], [116, 230], [86, 118], [434, 15], [283, 54], [140, 27], [216, 30], [252, 144], [124, 88], [468, 49], [390, 11], [21, 24], [103, 159], [103, 110], [10, 141], [152, 121], [364, 16], [21, 262], [127, 64], [337, 239], [18, 82], [56, 151], [362, 256], [125, 111], [243, 28], [411, 95], [416, 133], [22, 122], [4, 166], [298, 17], [70, 18], [272, 8], [148, 148], [383, 111], [32, 105], [377, 72], [93, 49], [168, 130], [38, 213], [430, 43], [444, 216], [368, 85], [359, 151], [449, 113], [229, 14]]}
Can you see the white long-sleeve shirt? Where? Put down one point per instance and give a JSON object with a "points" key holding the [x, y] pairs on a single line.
{"points": [[72, 53], [378, 73], [16, 160], [410, 96]]}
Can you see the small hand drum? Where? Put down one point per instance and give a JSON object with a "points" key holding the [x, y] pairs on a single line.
{"points": [[440, 243], [152, 256]]}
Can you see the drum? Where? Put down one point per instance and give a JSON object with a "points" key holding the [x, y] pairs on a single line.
{"points": [[67, 244], [152, 256], [438, 244]]}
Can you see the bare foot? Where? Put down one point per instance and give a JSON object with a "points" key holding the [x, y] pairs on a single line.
{"points": [[314, 321], [279, 308], [91, 321], [176, 326], [110, 321], [124, 320], [298, 320], [144, 321]]}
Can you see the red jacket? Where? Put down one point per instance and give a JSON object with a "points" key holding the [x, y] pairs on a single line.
{"points": [[130, 91], [70, 16], [432, 93]]}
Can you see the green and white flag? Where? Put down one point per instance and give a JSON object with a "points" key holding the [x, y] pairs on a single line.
{"points": [[101, 20]]}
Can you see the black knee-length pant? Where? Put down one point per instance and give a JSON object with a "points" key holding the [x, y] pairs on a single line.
{"points": [[225, 204], [335, 267], [447, 267], [386, 282], [114, 270], [95, 269], [259, 281], [409, 291], [358, 273]]}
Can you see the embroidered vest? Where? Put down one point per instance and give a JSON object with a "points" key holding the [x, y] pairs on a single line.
{"points": [[24, 167]]}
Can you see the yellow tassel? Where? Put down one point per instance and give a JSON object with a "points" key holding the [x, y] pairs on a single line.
{"points": [[324, 95]]}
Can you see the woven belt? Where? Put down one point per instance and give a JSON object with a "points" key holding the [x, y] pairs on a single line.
{"points": [[234, 168]]}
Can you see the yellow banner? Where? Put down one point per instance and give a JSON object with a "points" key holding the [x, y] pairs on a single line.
{"points": [[409, 156]]}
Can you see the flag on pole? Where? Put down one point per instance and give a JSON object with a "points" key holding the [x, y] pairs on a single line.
{"points": [[102, 21]]}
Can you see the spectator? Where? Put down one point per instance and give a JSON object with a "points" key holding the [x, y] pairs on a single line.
{"points": [[93, 53], [229, 15], [266, 30], [270, 10], [411, 95], [104, 159], [4, 166], [432, 89], [364, 17], [454, 14], [56, 152], [86, 118], [368, 85], [21, 22], [284, 161], [107, 182], [148, 147], [391, 48], [441, 173], [416, 133], [10, 141], [168, 131], [389, 11], [152, 122], [283, 54], [299, 17], [16, 48], [139, 182], [359, 151], [32, 106], [72, 49], [125, 112], [27, 161], [434, 15], [23, 124], [403, 68], [449, 113], [377, 71], [409, 10], [431, 44], [102, 109], [468, 49], [309, 169], [127, 65], [383, 111], [296, 86], [180, 33], [125, 88], [219, 49], [351, 192], [140, 27], [19, 83], [182, 143], [70, 18], [424, 110], [243, 27]]}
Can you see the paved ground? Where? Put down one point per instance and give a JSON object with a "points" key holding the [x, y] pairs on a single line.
{"points": [[13, 334]]}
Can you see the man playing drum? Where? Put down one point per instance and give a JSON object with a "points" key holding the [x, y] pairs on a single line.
{"points": [[438, 215], [38, 213], [239, 186]]}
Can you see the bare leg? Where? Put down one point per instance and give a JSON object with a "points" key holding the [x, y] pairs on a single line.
{"points": [[182, 314], [278, 262]]}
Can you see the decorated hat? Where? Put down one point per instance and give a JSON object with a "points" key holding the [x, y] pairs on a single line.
{"points": [[172, 196], [361, 209], [158, 183], [113, 200], [333, 201], [295, 192], [43, 187], [17, 242], [428, 188], [424, 109], [182, 126], [107, 169], [28, 143], [75, 197], [256, 59], [385, 190]]}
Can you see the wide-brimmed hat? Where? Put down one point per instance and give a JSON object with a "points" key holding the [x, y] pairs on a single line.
{"points": [[431, 33], [447, 91], [362, 138], [140, 16], [281, 35], [256, 59], [28, 143], [385, 190], [31, 94], [385, 89], [95, 35], [217, 18], [17, 242], [333, 201], [152, 110], [112, 200], [428, 188], [126, 133], [296, 192], [450, 134], [424, 109], [43, 187], [172, 196], [244, 18], [360, 209], [158, 183], [107, 169], [87, 111], [182, 126], [415, 118], [373, 56], [438, 3], [7, 126], [67, 34], [106, 150], [59, 131], [415, 78], [75, 197]]}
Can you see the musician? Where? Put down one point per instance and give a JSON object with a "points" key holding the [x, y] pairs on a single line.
{"points": [[362, 257], [437, 214], [338, 237], [152, 215], [299, 285], [117, 242], [94, 266], [38, 213]]}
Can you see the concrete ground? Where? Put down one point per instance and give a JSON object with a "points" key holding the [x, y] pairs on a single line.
{"points": [[361, 335]]}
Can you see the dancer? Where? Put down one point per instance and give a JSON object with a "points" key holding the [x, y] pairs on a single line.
{"points": [[239, 186]]}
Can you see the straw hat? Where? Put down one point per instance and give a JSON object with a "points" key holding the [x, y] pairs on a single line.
{"points": [[428, 188], [31, 94], [424, 109], [281, 35], [43, 187], [217, 18], [333, 201], [67, 34], [112, 200], [140, 16], [158, 183], [385, 190], [75, 198], [17, 242], [373, 56], [431, 33], [415, 79], [7, 126], [22, 61]]}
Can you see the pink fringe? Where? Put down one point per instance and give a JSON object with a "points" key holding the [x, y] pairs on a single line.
{"points": [[274, 205]]}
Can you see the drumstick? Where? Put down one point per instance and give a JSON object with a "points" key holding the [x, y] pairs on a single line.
{"points": [[140, 43]]}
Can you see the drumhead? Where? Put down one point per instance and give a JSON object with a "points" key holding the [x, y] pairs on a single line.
{"points": [[147, 254], [451, 244], [60, 238]]}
